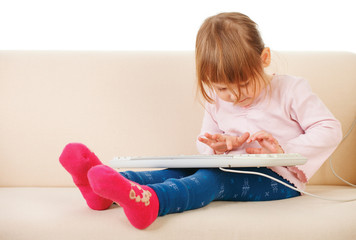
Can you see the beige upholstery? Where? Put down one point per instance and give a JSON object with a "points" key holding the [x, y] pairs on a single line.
{"points": [[143, 103], [59, 213]]}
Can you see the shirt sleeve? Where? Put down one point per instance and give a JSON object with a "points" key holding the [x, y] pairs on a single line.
{"points": [[322, 132], [209, 125]]}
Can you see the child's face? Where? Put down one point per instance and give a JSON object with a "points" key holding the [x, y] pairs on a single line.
{"points": [[247, 93]]}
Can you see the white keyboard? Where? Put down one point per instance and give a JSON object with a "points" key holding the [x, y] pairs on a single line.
{"points": [[210, 161]]}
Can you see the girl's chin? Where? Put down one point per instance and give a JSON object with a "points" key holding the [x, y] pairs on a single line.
{"points": [[244, 103]]}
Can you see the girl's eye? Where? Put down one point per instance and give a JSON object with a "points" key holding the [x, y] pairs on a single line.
{"points": [[245, 84], [222, 89]]}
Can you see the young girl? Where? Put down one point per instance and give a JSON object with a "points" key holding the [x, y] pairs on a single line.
{"points": [[246, 110]]}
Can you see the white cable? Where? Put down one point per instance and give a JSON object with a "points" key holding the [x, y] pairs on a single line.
{"points": [[331, 165], [285, 184]]}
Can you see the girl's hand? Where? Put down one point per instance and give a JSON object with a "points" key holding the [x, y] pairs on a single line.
{"points": [[267, 142], [221, 143]]}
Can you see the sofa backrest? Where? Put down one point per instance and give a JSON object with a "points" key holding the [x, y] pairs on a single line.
{"points": [[133, 104]]}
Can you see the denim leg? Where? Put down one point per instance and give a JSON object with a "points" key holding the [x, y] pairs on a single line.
{"points": [[246, 187], [206, 185], [191, 192]]}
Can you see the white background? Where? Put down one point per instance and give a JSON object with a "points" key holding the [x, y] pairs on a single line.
{"points": [[309, 25]]}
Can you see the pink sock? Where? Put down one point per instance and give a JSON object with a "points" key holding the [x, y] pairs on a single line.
{"points": [[140, 202], [77, 159]]}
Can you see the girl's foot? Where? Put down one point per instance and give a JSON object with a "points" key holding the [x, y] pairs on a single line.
{"points": [[77, 159], [140, 202]]}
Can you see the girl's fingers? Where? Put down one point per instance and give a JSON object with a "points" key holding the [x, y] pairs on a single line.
{"points": [[229, 144], [267, 142], [260, 136], [205, 140], [214, 141], [243, 138], [219, 137], [223, 143], [219, 146], [267, 145], [253, 137], [254, 150], [208, 135], [214, 137]]}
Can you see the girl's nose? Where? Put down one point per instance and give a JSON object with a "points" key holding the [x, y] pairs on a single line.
{"points": [[233, 97]]}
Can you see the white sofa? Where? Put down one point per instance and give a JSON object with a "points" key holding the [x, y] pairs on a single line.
{"points": [[142, 104]]}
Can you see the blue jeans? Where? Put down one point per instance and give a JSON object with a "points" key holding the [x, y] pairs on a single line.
{"points": [[180, 190]]}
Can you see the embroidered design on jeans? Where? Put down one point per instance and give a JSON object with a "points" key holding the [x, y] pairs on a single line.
{"points": [[173, 185], [274, 186], [245, 187], [221, 192], [149, 176], [145, 194]]}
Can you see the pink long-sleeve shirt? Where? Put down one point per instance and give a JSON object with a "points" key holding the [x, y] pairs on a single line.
{"points": [[292, 113]]}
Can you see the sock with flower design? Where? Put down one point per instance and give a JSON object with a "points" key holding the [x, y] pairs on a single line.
{"points": [[77, 159], [140, 202]]}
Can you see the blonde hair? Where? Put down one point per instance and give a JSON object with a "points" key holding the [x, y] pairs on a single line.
{"points": [[228, 51]]}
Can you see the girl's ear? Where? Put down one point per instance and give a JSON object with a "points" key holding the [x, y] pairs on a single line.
{"points": [[266, 57]]}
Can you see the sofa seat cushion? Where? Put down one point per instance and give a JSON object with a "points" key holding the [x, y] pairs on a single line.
{"points": [[61, 213]]}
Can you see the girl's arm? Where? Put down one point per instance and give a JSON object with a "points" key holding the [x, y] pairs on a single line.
{"points": [[322, 132]]}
